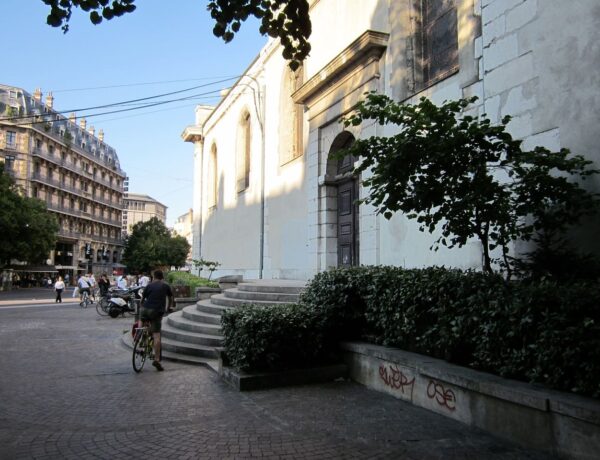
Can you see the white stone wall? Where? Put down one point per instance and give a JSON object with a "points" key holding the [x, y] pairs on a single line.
{"points": [[535, 60]]}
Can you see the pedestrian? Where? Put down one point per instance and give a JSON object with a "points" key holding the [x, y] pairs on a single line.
{"points": [[144, 280], [154, 300], [59, 287], [49, 282], [103, 284], [67, 279]]}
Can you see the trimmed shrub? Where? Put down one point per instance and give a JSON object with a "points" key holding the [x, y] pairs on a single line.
{"points": [[177, 278], [541, 332], [278, 337]]}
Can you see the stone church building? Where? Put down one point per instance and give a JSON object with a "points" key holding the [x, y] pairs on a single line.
{"points": [[268, 201]]}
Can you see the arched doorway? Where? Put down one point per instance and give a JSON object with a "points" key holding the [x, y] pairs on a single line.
{"points": [[346, 184]]}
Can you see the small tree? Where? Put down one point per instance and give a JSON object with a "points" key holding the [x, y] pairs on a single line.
{"points": [[151, 245], [210, 265], [466, 176], [28, 230]]}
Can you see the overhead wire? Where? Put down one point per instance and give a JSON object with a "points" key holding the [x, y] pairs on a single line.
{"points": [[116, 104]]}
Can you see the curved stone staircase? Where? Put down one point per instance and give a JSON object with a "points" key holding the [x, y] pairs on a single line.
{"points": [[194, 333]]}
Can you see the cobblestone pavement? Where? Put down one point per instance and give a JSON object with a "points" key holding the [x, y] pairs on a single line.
{"points": [[68, 391]]}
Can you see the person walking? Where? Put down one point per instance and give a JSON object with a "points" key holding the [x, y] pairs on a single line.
{"points": [[154, 301], [59, 287]]}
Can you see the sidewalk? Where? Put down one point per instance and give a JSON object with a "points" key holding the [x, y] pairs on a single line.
{"points": [[34, 296]]}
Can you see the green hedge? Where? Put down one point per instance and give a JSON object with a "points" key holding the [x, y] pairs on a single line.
{"points": [[541, 332], [177, 278], [273, 337]]}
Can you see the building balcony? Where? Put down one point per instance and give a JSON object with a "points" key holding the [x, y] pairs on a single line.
{"points": [[38, 177], [56, 160]]}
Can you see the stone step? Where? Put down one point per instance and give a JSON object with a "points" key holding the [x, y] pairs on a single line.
{"points": [[181, 335], [280, 286], [252, 296], [210, 362], [207, 306], [191, 312], [184, 348], [220, 299], [177, 321]]}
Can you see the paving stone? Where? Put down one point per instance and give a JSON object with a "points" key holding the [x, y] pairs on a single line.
{"points": [[68, 391]]}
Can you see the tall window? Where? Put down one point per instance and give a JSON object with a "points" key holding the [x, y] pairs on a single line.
{"points": [[438, 40], [243, 154], [212, 191], [11, 139]]}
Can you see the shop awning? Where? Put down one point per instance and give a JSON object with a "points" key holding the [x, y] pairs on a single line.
{"points": [[35, 268]]}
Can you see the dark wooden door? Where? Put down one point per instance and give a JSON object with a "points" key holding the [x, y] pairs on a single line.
{"points": [[347, 223]]}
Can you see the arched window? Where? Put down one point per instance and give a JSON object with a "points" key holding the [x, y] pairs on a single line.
{"points": [[213, 180], [243, 153]]}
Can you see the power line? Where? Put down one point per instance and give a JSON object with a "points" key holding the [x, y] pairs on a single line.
{"points": [[126, 85], [119, 103]]}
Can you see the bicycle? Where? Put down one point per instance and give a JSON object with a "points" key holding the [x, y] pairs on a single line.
{"points": [[85, 300], [143, 346]]}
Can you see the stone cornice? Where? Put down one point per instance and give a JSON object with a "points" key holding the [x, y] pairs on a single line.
{"points": [[370, 44], [192, 134]]}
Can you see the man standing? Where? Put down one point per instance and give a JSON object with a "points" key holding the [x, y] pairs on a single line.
{"points": [[144, 280], [154, 300]]}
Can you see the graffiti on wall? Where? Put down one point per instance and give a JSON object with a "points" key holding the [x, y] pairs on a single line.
{"points": [[394, 378], [445, 397]]}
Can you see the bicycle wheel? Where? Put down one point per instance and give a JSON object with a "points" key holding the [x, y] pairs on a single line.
{"points": [[102, 307], [140, 351], [84, 300]]}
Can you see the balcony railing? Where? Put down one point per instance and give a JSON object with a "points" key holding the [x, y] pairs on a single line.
{"points": [[57, 136], [77, 191], [87, 236], [73, 168], [83, 214]]}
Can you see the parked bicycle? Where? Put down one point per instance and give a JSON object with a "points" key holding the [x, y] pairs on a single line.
{"points": [[143, 347]]}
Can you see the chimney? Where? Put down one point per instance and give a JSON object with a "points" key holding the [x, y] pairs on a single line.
{"points": [[101, 135], [72, 117], [82, 123], [37, 95], [92, 130], [49, 100]]}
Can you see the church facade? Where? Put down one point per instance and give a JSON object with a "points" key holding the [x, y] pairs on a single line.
{"points": [[269, 202]]}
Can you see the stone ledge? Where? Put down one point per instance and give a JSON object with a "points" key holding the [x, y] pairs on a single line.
{"points": [[559, 423], [243, 381]]}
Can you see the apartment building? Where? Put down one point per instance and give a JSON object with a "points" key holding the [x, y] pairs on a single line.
{"points": [[62, 161], [140, 208]]}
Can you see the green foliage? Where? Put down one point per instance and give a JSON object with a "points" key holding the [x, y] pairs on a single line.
{"points": [[28, 229], [210, 265], [542, 332], [150, 245], [465, 176], [188, 279], [273, 337], [287, 20]]}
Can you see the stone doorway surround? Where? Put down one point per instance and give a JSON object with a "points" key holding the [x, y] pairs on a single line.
{"points": [[328, 96]]}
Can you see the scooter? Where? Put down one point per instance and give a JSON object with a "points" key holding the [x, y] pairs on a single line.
{"points": [[122, 302]]}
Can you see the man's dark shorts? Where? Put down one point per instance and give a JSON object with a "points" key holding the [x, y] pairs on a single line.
{"points": [[154, 317]]}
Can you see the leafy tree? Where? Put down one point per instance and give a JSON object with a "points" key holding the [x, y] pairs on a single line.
{"points": [[151, 245], [287, 20], [28, 230], [465, 176]]}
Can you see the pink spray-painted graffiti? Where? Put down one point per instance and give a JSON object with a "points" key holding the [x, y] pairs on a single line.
{"points": [[396, 379], [445, 397]]}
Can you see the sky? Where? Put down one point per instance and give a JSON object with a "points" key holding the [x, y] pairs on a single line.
{"points": [[163, 47]]}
